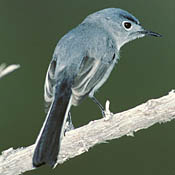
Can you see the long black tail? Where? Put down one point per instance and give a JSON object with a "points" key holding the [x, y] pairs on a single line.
{"points": [[48, 142]]}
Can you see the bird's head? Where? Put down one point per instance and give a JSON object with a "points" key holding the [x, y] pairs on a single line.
{"points": [[123, 25]]}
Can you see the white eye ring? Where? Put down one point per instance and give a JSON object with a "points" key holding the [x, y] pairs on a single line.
{"points": [[127, 25]]}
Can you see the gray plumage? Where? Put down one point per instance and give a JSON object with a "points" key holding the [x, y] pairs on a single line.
{"points": [[82, 61]]}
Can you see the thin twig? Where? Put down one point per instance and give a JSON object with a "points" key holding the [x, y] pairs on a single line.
{"points": [[4, 70]]}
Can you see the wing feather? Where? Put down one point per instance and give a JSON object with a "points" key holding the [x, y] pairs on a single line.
{"points": [[91, 72], [49, 84]]}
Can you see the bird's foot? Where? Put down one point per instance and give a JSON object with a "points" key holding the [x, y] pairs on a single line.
{"points": [[107, 114], [69, 125]]}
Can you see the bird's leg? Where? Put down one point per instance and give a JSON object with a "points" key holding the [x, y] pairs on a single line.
{"points": [[99, 105], [69, 125]]}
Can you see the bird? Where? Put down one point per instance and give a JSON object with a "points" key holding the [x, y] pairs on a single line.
{"points": [[81, 63]]}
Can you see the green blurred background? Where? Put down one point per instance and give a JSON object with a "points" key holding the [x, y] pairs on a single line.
{"points": [[29, 31]]}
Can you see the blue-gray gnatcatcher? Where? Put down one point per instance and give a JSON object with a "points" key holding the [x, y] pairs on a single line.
{"points": [[81, 63]]}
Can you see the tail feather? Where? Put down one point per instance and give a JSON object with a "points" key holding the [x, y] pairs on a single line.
{"points": [[48, 142]]}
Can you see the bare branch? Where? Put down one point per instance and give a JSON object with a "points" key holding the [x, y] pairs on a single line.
{"points": [[4, 70], [78, 141]]}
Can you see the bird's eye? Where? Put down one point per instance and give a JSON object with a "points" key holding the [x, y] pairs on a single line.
{"points": [[127, 25]]}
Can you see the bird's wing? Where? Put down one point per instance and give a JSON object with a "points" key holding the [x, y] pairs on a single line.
{"points": [[49, 84], [93, 72]]}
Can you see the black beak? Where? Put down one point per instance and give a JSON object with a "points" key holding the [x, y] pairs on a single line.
{"points": [[147, 32]]}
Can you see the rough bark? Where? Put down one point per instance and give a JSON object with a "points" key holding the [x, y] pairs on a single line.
{"points": [[78, 141]]}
